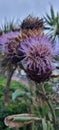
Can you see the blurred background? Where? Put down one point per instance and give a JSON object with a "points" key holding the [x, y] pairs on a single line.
{"points": [[19, 9]]}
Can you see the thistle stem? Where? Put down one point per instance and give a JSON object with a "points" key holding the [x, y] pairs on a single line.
{"points": [[50, 105], [10, 74]]}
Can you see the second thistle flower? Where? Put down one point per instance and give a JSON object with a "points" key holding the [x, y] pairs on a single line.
{"points": [[38, 55]]}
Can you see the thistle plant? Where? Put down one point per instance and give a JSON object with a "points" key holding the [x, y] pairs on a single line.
{"points": [[10, 42], [35, 52], [38, 64], [38, 56]]}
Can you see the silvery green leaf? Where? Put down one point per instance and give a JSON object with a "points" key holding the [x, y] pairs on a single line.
{"points": [[44, 124]]}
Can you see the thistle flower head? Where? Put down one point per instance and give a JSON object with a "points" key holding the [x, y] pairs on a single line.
{"points": [[32, 26], [38, 53], [32, 23], [9, 44], [5, 38]]}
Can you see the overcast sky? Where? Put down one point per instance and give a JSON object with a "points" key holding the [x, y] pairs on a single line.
{"points": [[19, 9]]}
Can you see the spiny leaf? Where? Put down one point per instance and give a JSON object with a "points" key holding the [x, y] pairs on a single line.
{"points": [[52, 13], [47, 21], [48, 17]]}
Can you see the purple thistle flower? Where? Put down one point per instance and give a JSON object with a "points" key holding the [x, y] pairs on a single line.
{"points": [[5, 38], [9, 44], [38, 54]]}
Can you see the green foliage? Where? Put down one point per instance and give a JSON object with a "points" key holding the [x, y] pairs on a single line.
{"points": [[11, 109], [57, 110], [18, 106], [52, 23], [8, 26], [19, 93], [44, 124], [14, 107], [48, 87]]}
